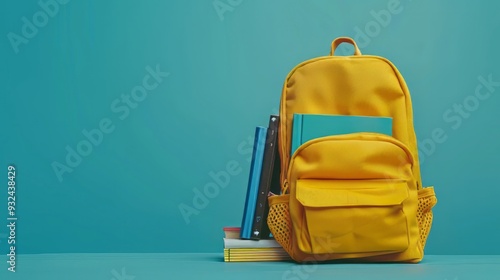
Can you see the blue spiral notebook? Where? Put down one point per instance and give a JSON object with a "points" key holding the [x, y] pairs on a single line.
{"points": [[309, 126]]}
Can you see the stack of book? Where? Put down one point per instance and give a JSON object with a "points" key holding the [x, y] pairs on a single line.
{"points": [[253, 241], [241, 250]]}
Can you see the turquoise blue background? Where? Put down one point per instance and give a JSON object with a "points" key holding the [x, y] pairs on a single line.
{"points": [[225, 78]]}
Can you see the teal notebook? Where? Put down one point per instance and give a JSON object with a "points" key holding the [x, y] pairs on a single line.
{"points": [[309, 126]]}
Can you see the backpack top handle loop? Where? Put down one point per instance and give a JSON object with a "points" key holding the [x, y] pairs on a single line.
{"points": [[341, 40]]}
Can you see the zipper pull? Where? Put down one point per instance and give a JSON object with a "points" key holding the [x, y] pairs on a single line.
{"points": [[284, 189]]}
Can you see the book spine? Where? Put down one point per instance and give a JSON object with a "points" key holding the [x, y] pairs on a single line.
{"points": [[253, 181], [259, 227], [296, 133]]}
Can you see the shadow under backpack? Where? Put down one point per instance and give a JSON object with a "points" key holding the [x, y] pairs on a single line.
{"points": [[357, 196]]}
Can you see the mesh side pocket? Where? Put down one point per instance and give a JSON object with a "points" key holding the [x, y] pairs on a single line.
{"points": [[426, 200], [278, 220]]}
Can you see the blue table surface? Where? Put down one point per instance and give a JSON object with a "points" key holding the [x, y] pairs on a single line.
{"points": [[212, 266]]}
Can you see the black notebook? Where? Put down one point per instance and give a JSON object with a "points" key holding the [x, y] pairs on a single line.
{"points": [[269, 180]]}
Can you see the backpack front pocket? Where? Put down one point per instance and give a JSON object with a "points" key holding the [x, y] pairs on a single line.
{"points": [[353, 216], [353, 195]]}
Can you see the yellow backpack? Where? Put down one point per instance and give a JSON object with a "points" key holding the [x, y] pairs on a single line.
{"points": [[352, 196]]}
